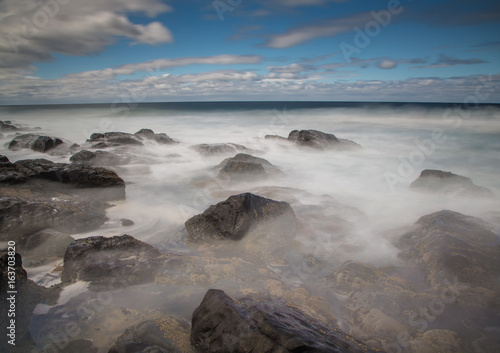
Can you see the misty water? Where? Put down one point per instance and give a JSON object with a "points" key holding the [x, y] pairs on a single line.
{"points": [[366, 189]]}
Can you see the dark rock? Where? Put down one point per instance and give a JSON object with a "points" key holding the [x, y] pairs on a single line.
{"points": [[4, 161], [27, 213], [235, 217], [275, 137], [448, 244], [7, 126], [222, 324], [320, 140], [241, 171], [247, 158], [34, 142], [80, 346], [28, 295], [127, 222], [76, 176], [219, 148], [164, 335], [112, 139], [103, 260], [447, 183], [149, 134], [98, 158]]}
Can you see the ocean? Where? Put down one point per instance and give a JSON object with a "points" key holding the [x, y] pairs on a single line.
{"points": [[367, 188]]}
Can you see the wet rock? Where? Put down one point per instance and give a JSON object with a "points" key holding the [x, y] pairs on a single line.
{"points": [[75, 176], [80, 346], [112, 139], [233, 218], [149, 134], [7, 126], [222, 324], [34, 142], [28, 295], [448, 245], [127, 222], [276, 138], [23, 212], [101, 260], [219, 148], [243, 159], [320, 140], [163, 335], [448, 183], [241, 171], [442, 341], [98, 158]]}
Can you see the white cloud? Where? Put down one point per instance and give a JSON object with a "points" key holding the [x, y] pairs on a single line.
{"points": [[33, 31], [298, 35], [387, 64]]}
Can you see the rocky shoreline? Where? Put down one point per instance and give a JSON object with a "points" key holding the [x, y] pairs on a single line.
{"points": [[258, 289]]}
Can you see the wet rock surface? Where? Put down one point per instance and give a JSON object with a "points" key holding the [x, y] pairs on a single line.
{"points": [[113, 139], [320, 140], [38, 143], [75, 176], [99, 158], [448, 183], [160, 138], [222, 324], [161, 335], [233, 218], [103, 260], [245, 167], [219, 148]]}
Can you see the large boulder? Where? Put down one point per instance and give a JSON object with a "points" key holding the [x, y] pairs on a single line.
{"points": [[448, 183], [320, 140], [162, 335], [75, 176], [233, 218], [103, 260], [448, 244], [38, 143], [222, 324], [219, 148]]}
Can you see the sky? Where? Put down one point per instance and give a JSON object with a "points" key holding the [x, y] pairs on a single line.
{"points": [[109, 51]]}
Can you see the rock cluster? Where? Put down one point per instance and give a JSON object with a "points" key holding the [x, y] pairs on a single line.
{"points": [[448, 183], [317, 140]]}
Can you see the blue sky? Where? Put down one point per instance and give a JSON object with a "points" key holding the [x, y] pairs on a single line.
{"points": [[76, 51]]}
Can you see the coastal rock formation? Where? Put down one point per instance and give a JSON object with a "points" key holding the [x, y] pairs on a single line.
{"points": [[37, 143], [448, 244], [112, 139], [7, 126], [320, 140], [244, 166], [448, 183], [165, 334], [222, 324], [101, 260], [233, 218], [99, 158], [219, 148], [43, 245], [149, 134], [75, 176]]}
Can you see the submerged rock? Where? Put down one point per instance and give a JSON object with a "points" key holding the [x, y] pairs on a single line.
{"points": [[219, 148], [112, 139], [234, 218], [320, 140], [44, 244], [166, 334], [101, 260], [448, 183], [34, 142], [222, 324]]}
